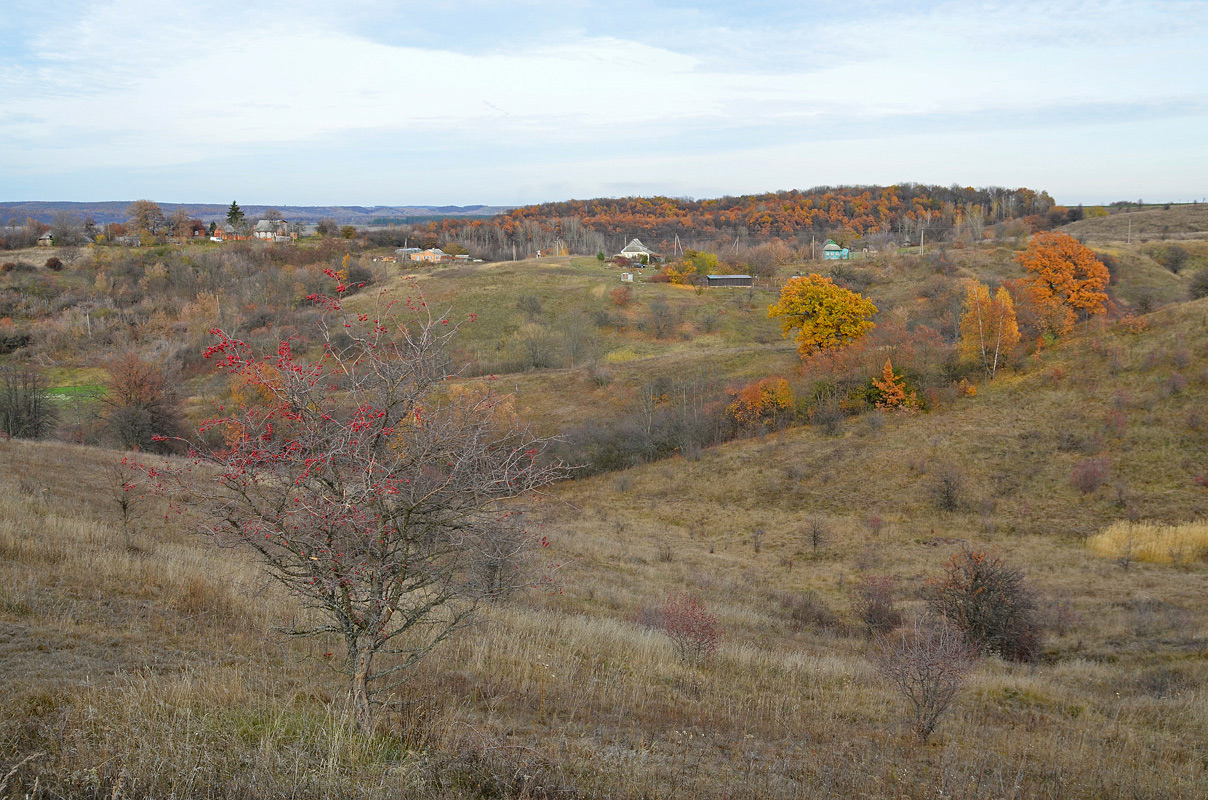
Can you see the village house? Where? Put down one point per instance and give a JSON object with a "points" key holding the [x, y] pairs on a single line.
{"points": [[45, 240], [273, 231], [636, 251], [832, 251], [226, 233], [434, 254]]}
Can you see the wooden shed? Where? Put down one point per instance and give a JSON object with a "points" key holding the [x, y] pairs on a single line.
{"points": [[729, 280]]}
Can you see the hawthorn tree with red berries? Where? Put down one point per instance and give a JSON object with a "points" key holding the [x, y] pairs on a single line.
{"points": [[370, 485]]}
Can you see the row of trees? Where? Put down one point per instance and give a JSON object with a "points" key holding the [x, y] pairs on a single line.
{"points": [[1066, 282], [138, 404]]}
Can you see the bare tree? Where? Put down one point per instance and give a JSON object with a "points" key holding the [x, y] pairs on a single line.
{"points": [[927, 664], [66, 228], [26, 410], [146, 215], [124, 484], [371, 487], [818, 532], [530, 306], [142, 407]]}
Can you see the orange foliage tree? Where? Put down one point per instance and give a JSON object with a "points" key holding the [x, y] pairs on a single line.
{"points": [[763, 401], [894, 396], [824, 315], [1067, 279], [988, 328]]}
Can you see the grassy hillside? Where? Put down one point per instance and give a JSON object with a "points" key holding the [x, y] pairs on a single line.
{"points": [[1175, 222], [147, 665]]}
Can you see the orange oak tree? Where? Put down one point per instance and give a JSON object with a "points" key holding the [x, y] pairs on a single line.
{"points": [[1067, 279], [824, 315]]}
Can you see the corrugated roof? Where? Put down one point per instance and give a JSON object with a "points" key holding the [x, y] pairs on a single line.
{"points": [[716, 277]]}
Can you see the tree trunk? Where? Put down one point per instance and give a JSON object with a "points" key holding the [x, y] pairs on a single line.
{"points": [[362, 712]]}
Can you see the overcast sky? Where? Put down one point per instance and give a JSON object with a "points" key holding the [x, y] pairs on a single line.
{"points": [[483, 101]]}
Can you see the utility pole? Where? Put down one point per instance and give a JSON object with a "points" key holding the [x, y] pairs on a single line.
{"points": [[1130, 227], [921, 251]]}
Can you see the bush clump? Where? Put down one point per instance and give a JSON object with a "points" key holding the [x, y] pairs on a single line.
{"points": [[1198, 287], [872, 602], [693, 629], [986, 599]]}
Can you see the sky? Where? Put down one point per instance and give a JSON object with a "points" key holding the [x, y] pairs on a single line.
{"points": [[394, 102]]}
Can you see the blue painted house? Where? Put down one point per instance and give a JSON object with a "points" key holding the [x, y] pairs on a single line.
{"points": [[832, 251]]}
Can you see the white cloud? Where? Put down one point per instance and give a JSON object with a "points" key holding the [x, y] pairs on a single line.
{"points": [[134, 83]]}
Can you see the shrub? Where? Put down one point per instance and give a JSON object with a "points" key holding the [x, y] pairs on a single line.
{"points": [[1089, 474], [807, 611], [872, 603], [948, 488], [985, 599], [1198, 287], [530, 306], [53, 263], [622, 295], [693, 629], [1172, 257], [927, 665], [829, 418]]}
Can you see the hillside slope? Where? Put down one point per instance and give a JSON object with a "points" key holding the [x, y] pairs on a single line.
{"points": [[148, 666], [1175, 222]]}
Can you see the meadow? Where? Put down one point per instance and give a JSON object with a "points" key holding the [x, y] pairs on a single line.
{"points": [[141, 661]]}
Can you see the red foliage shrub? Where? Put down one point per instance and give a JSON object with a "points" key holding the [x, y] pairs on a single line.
{"points": [[693, 628], [622, 295], [1089, 474]]}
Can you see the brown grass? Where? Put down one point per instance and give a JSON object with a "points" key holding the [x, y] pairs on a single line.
{"points": [[1176, 222], [155, 669], [1156, 543]]}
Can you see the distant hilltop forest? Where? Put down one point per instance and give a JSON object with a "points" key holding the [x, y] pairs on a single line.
{"points": [[869, 214], [854, 216], [118, 211]]}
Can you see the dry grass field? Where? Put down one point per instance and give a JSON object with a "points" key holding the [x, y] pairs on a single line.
{"points": [[147, 665], [1176, 222]]}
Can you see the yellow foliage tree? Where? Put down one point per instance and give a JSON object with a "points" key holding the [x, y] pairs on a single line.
{"points": [[824, 315], [989, 331], [894, 396], [1067, 279]]}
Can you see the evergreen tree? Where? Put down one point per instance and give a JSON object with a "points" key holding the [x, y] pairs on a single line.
{"points": [[234, 214]]}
